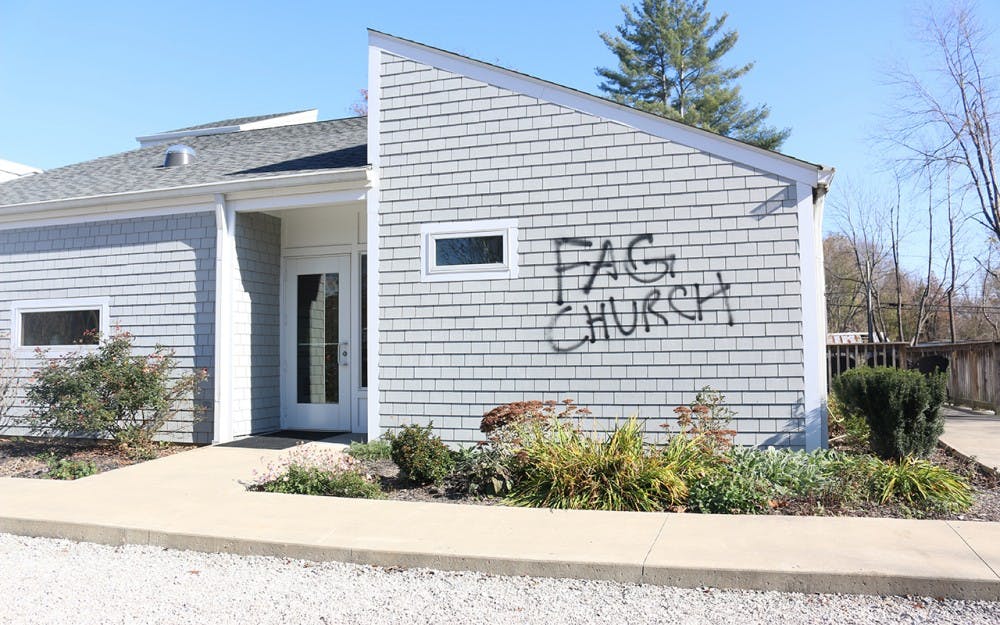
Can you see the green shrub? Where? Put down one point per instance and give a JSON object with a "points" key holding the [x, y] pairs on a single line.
{"points": [[420, 455], [312, 480], [66, 468], [900, 406], [567, 469], [111, 392], [377, 449]]}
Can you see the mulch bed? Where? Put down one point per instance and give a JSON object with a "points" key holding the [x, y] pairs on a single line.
{"points": [[397, 487], [985, 507], [23, 456]]}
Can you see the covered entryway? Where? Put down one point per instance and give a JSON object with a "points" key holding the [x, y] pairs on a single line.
{"points": [[295, 319]]}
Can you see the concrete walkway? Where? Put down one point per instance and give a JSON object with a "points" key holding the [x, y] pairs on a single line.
{"points": [[192, 500], [973, 434]]}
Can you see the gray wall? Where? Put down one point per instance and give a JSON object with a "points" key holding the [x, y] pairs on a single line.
{"points": [[256, 325], [455, 149], [158, 272]]}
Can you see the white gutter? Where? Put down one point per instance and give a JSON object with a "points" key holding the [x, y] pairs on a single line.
{"points": [[209, 188]]}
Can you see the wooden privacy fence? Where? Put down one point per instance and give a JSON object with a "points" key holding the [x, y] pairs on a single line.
{"points": [[973, 367]]}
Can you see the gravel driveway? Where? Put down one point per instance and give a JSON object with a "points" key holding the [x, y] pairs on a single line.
{"points": [[58, 581]]}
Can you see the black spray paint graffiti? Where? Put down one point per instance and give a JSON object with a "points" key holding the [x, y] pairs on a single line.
{"points": [[687, 301]]}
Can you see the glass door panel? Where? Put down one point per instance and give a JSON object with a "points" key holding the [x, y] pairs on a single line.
{"points": [[316, 344], [318, 338]]}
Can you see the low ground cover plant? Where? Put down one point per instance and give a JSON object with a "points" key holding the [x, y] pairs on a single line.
{"points": [[311, 471], [61, 468], [378, 449], [111, 392]]}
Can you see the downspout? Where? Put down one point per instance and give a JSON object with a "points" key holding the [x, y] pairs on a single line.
{"points": [[225, 256]]}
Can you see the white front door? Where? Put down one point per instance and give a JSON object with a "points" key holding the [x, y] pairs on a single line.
{"points": [[316, 344]]}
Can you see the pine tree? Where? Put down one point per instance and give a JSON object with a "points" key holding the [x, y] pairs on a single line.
{"points": [[669, 54]]}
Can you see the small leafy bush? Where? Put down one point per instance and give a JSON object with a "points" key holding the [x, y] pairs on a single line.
{"points": [[111, 392], [378, 449], [900, 406], [66, 468], [565, 468], [725, 489], [707, 420], [486, 469], [306, 480], [311, 470], [422, 457], [532, 411]]}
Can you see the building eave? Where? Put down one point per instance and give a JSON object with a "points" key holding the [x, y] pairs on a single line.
{"points": [[358, 177]]}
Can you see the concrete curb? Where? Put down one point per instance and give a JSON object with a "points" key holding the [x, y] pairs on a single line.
{"points": [[861, 582], [970, 459]]}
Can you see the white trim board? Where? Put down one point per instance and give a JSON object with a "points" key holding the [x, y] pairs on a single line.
{"points": [[374, 425], [430, 232], [772, 162], [813, 326]]}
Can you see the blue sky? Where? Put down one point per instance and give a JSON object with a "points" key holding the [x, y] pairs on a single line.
{"points": [[81, 79]]}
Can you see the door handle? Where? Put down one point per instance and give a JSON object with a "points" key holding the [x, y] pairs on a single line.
{"points": [[344, 353]]}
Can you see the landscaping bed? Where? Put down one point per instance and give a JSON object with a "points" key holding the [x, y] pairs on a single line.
{"points": [[884, 462], [985, 489], [66, 458]]}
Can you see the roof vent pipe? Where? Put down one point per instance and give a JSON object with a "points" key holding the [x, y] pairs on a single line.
{"points": [[179, 155]]}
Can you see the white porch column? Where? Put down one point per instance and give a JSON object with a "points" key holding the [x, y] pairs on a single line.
{"points": [[225, 259]]}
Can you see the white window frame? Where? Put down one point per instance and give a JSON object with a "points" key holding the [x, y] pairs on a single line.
{"points": [[430, 271], [103, 305]]}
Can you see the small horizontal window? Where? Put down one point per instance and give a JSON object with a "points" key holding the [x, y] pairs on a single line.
{"points": [[455, 251], [469, 250], [58, 326]]}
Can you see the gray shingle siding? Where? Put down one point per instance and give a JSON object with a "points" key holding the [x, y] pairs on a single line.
{"points": [[157, 272], [728, 314], [256, 324]]}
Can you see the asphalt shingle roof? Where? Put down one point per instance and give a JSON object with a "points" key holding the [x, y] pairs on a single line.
{"points": [[300, 148]]}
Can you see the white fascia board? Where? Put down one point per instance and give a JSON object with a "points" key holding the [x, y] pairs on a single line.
{"points": [[730, 149], [298, 200], [302, 117], [374, 425], [97, 204], [17, 169], [195, 204], [167, 137]]}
